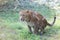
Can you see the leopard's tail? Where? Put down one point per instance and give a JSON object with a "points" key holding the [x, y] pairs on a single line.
{"points": [[52, 22]]}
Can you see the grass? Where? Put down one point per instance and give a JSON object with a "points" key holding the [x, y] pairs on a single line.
{"points": [[12, 29]]}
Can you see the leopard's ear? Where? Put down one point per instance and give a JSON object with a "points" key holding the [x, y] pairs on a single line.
{"points": [[27, 11]]}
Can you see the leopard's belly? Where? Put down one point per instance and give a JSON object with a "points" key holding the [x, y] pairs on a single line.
{"points": [[30, 24]]}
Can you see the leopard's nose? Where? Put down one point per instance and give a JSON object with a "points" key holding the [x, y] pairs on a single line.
{"points": [[21, 18]]}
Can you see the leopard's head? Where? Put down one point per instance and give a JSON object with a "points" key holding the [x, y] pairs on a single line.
{"points": [[25, 15]]}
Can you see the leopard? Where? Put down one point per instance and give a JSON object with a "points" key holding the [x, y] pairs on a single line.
{"points": [[35, 20]]}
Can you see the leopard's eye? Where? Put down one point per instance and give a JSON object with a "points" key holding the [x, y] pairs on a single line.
{"points": [[23, 15]]}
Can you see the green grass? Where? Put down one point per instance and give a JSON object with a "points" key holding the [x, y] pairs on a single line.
{"points": [[12, 29]]}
